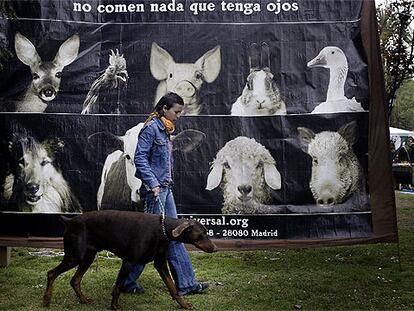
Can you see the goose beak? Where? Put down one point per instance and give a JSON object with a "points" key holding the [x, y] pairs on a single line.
{"points": [[318, 61]]}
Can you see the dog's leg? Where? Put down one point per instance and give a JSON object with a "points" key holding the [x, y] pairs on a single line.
{"points": [[116, 291], [64, 266], [77, 278], [161, 265]]}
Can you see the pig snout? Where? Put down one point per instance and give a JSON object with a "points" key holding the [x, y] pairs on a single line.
{"points": [[326, 197], [325, 185], [185, 89]]}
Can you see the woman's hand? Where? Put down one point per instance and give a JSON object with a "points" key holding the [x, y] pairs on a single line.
{"points": [[155, 191]]}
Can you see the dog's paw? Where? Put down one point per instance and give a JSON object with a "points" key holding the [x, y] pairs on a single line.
{"points": [[188, 306], [87, 301], [46, 302]]}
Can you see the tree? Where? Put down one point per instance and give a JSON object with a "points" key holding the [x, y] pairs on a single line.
{"points": [[402, 115], [397, 45]]}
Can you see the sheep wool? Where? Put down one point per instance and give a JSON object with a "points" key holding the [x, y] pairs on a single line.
{"points": [[247, 173]]}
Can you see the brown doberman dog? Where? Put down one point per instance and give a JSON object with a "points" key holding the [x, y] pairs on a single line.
{"points": [[136, 238]]}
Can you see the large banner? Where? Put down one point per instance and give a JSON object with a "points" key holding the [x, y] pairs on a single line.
{"points": [[283, 140]]}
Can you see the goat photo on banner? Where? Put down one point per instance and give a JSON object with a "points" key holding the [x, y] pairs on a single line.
{"points": [[273, 141]]}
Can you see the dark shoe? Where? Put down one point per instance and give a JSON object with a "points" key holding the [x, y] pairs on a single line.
{"points": [[199, 289], [135, 290]]}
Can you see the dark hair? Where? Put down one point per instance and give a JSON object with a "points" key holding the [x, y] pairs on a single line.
{"points": [[169, 100]]}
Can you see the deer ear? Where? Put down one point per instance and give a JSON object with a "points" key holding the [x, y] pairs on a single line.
{"points": [[160, 60], [210, 64], [180, 229], [68, 51], [26, 51]]}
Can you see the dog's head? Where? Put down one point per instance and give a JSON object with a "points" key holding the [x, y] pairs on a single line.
{"points": [[35, 172], [192, 232]]}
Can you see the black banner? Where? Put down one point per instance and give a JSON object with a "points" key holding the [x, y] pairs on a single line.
{"points": [[273, 144]]}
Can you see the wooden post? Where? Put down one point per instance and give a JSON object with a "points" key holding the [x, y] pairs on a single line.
{"points": [[4, 256]]}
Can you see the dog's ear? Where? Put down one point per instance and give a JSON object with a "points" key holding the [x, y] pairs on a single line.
{"points": [[181, 228], [55, 146]]}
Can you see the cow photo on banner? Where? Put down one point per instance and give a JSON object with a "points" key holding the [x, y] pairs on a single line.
{"points": [[275, 139]]}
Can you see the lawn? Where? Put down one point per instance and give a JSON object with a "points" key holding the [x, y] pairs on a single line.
{"points": [[365, 277]]}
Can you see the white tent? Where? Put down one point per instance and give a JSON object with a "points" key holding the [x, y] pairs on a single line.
{"points": [[398, 136], [400, 132]]}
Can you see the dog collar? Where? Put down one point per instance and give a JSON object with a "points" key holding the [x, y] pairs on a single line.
{"points": [[164, 231]]}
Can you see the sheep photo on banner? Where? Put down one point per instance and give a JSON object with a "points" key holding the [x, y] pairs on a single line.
{"points": [[283, 138]]}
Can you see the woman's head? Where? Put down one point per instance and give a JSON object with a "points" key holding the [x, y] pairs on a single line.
{"points": [[170, 106]]}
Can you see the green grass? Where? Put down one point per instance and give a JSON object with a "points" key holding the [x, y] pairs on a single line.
{"points": [[365, 277]]}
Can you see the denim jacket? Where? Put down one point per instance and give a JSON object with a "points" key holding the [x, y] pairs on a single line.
{"points": [[153, 155]]}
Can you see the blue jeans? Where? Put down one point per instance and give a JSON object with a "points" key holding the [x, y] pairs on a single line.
{"points": [[180, 264]]}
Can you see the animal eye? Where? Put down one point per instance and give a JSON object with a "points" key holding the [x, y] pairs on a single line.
{"points": [[198, 76], [249, 85], [333, 52], [259, 164], [127, 157], [35, 76], [58, 75], [268, 84], [21, 162], [226, 165], [315, 160], [111, 69], [45, 162], [170, 75]]}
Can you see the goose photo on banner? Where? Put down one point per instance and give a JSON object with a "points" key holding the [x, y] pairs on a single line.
{"points": [[334, 59]]}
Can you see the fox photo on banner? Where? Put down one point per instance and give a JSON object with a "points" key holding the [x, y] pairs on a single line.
{"points": [[283, 136]]}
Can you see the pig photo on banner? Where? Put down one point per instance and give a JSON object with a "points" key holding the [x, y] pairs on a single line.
{"points": [[273, 141]]}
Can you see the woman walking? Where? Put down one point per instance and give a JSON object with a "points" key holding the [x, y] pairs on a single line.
{"points": [[154, 166]]}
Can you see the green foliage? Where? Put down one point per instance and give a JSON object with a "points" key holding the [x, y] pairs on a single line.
{"points": [[403, 113], [365, 277], [397, 44]]}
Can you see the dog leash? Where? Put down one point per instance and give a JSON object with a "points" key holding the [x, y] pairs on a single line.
{"points": [[162, 210]]}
